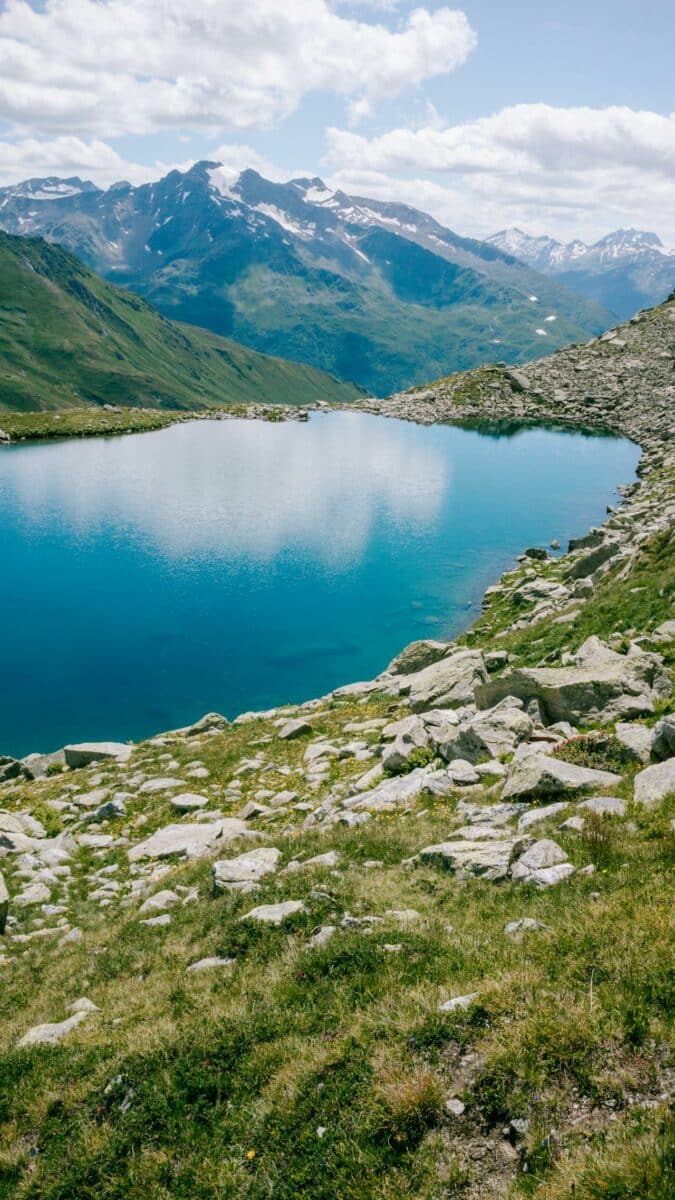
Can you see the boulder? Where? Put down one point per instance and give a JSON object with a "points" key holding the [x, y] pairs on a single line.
{"points": [[418, 655], [4, 904], [458, 1003], [207, 724], [190, 841], [391, 794], [655, 783], [188, 801], [488, 859], [448, 683], [37, 765], [538, 775], [50, 1035], [488, 734], [613, 806], [409, 734], [544, 853], [636, 738], [84, 753], [662, 741], [541, 814], [160, 902], [11, 768], [550, 876], [244, 872], [601, 686], [274, 914], [298, 727], [208, 964]]}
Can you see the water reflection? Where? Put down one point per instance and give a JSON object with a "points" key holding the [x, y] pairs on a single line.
{"points": [[246, 489]]}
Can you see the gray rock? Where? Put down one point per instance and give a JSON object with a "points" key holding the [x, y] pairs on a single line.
{"points": [[523, 925], [462, 773], [322, 935], [550, 876], [574, 824], [295, 728], [448, 683], [244, 871], [274, 914], [459, 1003], [161, 784], [486, 735], [209, 964], [84, 753], [488, 859], [37, 893], [391, 794], [454, 1107], [538, 775], [188, 801], [636, 738], [418, 655], [11, 768], [91, 799], [50, 1035], [544, 853], [84, 1004], [602, 686], [192, 841], [207, 724], [662, 743], [157, 922], [37, 765], [160, 901], [612, 805], [655, 783], [410, 734], [541, 814]]}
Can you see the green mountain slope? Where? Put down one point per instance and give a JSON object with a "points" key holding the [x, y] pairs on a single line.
{"points": [[68, 339]]}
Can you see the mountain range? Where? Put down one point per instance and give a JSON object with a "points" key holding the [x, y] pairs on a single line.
{"points": [[626, 270], [68, 338], [373, 292]]}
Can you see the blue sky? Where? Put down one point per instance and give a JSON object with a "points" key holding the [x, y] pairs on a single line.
{"points": [[559, 119]]}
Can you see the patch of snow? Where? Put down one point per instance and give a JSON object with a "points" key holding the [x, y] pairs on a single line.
{"points": [[283, 219]]}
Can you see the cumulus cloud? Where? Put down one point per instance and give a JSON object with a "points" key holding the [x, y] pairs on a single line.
{"points": [[64, 156], [580, 168], [110, 67]]}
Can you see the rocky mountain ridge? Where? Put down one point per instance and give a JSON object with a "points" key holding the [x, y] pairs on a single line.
{"points": [[376, 293], [628, 268]]}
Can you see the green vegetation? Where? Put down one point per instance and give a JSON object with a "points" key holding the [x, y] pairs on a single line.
{"points": [[69, 339]]}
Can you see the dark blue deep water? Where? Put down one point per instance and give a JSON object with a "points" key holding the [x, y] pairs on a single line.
{"points": [[232, 565]]}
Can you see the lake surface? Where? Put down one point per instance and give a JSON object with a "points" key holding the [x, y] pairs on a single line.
{"points": [[147, 579]]}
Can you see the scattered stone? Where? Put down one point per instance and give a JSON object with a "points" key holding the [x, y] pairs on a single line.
{"points": [[662, 744], [636, 738], [298, 727], [541, 814], [523, 925], [454, 1107], [244, 872], [157, 922], [188, 801], [544, 853], [84, 753], [538, 775], [192, 841], [459, 1003], [83, 1005], [612, 805], [322, 935], [160, 901], [159, 785], [488, 859], [209, 964], [50, 1035], [655, 783], [274, 914]]}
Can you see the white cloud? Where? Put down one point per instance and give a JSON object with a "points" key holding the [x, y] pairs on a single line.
{"points": [[91, 159], [110, 67], [552, 169]]}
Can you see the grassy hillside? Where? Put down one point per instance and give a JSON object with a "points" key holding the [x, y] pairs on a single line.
{"points": [[68, 339]]}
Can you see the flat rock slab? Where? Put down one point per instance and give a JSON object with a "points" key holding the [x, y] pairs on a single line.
{"points": [[539, 775], [162, 784], [274, 914], [160, 901], [50, 1035], [544, 853], [84, 753], [488, 859], [448, 683], [188, 802], [541, 814], [246, 869], [392, 793], [459, 1003], [297, 727], [192, 841], [209, 964], [655, 783], [613, 806]]}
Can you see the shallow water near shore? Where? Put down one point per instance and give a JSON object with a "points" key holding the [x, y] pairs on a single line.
{"points": [[234, 565]]}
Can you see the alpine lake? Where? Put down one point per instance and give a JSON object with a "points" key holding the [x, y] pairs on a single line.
{"points": [[235, 565]]}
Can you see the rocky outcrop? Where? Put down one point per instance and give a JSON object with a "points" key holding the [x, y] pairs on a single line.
{"points": [[189, 841], [448, 683], [601, 686], [537, 776], [84, 753]]}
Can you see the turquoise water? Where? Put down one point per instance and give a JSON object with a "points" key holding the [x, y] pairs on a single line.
{"points": [[232, 565]]}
